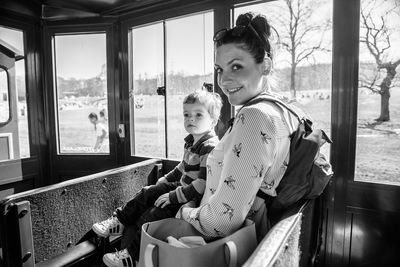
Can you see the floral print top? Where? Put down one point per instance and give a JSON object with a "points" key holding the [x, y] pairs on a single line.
{"points": [[253, 155]]}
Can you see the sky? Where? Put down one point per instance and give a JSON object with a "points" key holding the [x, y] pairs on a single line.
{"points": [[81, 56], [189, 46]]}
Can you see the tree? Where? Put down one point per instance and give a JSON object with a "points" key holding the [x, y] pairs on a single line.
{"points": [[376, 34], [299, 33]]}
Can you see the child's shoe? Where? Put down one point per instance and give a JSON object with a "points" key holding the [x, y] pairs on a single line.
{"points": [[119, 259], [112, 226]]}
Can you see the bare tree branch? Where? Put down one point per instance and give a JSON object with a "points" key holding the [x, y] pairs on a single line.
{"points": [[371, 84]]}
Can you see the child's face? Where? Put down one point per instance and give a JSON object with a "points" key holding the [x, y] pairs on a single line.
{"points": [[197, 120]]}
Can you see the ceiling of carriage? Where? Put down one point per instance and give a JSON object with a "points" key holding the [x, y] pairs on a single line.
{"points": [[70, 9]]}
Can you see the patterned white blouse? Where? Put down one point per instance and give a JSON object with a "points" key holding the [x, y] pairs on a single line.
{"points": [[253, 155]]}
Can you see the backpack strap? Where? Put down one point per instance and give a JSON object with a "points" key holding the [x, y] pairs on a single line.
{"points": [[307, 122], [265, 97]]}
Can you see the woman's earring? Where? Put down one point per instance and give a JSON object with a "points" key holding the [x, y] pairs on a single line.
{"points": [[268, 66]]}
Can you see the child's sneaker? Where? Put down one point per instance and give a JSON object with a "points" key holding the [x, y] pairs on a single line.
{"points": [[112, 226], [119, 259]]}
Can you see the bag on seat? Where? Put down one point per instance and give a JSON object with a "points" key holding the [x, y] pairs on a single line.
{"points": [[231, 251]]}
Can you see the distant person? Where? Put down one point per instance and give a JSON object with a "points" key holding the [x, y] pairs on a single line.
{"points": [[101, 129], [103, 116], [184, 183]]}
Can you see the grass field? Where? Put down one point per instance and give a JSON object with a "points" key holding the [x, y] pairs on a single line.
{"points": [[377, 156]]}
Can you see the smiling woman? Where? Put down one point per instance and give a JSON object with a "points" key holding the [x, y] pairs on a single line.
{"points": [[238, 76], [254, 152]]}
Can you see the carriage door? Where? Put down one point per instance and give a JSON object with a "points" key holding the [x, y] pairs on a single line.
{"points": [[364, 227], [81, 91]]}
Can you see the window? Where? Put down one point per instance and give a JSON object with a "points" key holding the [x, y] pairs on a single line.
{"points": [[13, 105], [146, 106], [4, 96], [378, 126], [81, 93], [302, 69], [175, 55]]}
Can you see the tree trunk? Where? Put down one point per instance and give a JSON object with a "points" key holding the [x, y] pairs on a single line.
{"points": [[385, 114], [293, 82], [385, 93]]}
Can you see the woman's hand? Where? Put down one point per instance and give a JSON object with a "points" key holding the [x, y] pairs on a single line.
{"points": [[162, 201], [190, 204]]}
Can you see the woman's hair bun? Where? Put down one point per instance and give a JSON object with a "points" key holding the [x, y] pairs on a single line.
{"points": [[259, 23], [244, 19]]}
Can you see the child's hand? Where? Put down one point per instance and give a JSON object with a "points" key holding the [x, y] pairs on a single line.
{"points": [[162, 180], [162, 201]]}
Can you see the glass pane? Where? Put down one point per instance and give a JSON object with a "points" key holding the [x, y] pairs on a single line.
{"points": [[4, 96], [81, 91], [146, 106], [378, 128], [23, 129], [18, 126], [301, 72], [190, 63]]}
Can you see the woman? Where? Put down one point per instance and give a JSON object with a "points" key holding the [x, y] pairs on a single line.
{"points": [[254, 152]]}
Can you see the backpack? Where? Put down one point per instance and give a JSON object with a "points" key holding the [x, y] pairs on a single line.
{"points": [[308, 172]]}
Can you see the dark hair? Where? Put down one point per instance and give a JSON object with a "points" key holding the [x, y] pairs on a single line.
{"points": [[92, 115], [255, 45]]}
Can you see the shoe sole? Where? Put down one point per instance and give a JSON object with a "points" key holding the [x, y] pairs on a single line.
{"points": [[99, 233], [111, 264], [106, 262]]}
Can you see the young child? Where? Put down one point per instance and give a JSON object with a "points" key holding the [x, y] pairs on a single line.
{"points": [[184, 183], [101, 129]]}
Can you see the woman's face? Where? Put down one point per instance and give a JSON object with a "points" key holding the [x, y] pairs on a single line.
{"points": [[239, 76]]}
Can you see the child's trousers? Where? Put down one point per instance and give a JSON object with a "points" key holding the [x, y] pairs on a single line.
{"points": [[139, 210]]}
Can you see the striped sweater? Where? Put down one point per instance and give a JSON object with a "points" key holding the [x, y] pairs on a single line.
{"points": [[191, 171]]}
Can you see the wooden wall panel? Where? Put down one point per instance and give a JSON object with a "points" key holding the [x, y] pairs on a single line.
{"points": [[372, 238]]}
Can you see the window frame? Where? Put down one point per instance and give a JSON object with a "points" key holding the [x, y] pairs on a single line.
{"points": [[64, 29], [67, 166], [164, 21], [56, 93]]}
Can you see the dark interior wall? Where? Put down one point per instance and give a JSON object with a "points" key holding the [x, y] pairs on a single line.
{"points": [[21, 174], [22, 7]]}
